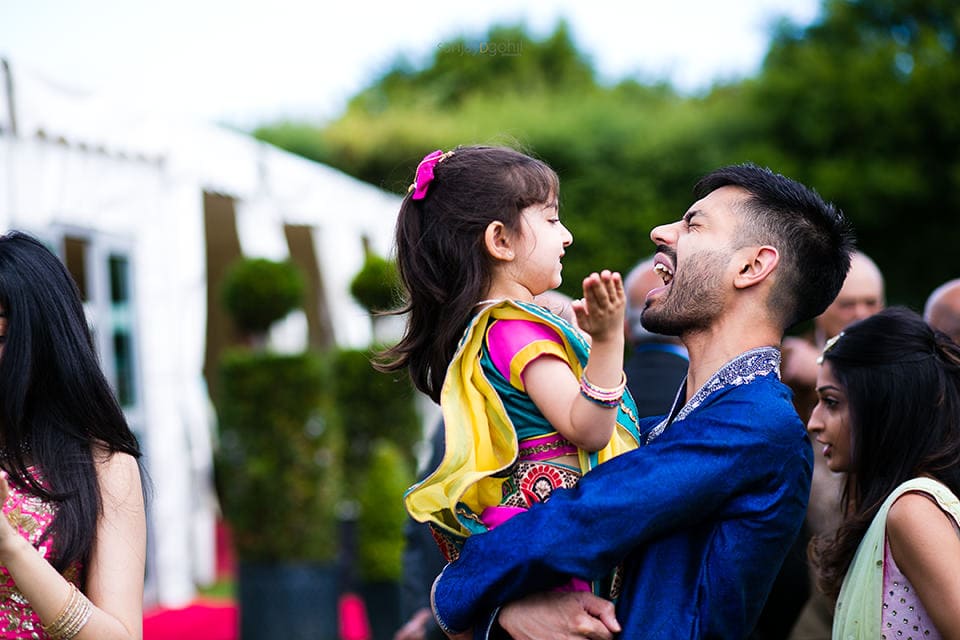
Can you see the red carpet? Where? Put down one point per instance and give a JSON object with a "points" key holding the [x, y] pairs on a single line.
{"points": [[202, 620], [207, 618]]}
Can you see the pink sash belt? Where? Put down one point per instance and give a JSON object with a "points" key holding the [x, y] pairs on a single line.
{"points": [[546, 447], [532, 450]]}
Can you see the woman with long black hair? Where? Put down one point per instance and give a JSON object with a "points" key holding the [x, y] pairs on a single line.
{"points": [[889, 415], [73, 539]]}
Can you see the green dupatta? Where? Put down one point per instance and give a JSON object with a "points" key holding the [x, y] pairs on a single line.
{"points": [[858, 612]]}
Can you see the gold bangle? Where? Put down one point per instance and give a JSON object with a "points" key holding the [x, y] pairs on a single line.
{"points": [[58, 621], [72, 618]]}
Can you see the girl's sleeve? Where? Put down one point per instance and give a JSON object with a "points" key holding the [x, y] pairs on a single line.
{"points": [[514, 344]]}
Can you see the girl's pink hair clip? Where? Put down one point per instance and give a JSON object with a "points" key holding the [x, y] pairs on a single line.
{"points": [[425, 173]]}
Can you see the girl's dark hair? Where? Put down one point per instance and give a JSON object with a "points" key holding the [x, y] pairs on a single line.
{"points": [[443, 264], [55, 404], [902, 382]]}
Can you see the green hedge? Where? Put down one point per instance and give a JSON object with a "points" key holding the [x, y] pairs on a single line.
{"points": [[301, 433], [375, 406], [380, 427], [278, 464], [382, 514]]}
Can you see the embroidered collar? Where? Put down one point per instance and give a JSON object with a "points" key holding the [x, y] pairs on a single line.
{"points": [[741, 370]]}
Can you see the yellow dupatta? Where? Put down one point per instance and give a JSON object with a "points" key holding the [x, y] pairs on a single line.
{"points": [[481, 441]]}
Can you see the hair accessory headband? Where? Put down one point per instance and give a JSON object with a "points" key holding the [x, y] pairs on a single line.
{"points": [[829, 345], [425, 173]]}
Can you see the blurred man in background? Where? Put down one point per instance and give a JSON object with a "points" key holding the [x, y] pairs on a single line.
{"points": [[942, 310]]}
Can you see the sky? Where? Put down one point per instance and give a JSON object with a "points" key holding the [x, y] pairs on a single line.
{"points": [[248, 62]]}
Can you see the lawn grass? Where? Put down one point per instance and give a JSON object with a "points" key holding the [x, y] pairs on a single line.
{"points": [[222, 589]]}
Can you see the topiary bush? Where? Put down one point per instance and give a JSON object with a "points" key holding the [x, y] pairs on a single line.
{"points": [[376, 287], [278, 464], [257, 292], [375, 406]]}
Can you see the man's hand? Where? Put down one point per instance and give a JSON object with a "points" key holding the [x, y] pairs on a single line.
{"points": [[416, 627], [556, 615]]}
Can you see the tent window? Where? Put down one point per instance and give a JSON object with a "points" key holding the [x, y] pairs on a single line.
{"points": [[121, 327], [119, 279]]}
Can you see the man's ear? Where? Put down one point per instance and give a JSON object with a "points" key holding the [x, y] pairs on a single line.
{"points": [[497, 240], [756, 264]]}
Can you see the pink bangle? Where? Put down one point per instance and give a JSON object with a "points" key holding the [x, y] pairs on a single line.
{"points": [[600, 395]]}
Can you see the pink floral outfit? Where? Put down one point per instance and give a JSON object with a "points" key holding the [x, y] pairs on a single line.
{"points": [[31, 517]]}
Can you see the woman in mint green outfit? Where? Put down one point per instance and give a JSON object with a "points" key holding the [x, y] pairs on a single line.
{"points": [[889, 416]]}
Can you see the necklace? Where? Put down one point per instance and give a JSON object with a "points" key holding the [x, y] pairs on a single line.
{"points": [[491, 301]]}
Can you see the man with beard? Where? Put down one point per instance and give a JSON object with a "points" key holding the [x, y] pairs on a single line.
{"points": [[701, 517], [657, 363]]}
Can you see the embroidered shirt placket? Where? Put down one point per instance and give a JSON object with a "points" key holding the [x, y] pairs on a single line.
{"points": [[741, 370]]}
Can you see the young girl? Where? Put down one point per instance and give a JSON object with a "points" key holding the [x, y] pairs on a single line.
{"points": [[528, 405], [889, 415]]}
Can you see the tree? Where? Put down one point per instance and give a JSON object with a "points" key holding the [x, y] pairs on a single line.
{"points": [[862, 102], [611, 145], [859, 105]]}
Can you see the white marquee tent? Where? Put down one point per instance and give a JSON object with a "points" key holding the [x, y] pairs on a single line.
{"points": [[132, 203]]}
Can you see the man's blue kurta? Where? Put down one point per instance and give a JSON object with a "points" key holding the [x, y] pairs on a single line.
{"points": [[701, 517]]}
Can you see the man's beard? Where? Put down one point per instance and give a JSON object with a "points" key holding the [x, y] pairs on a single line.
{"points": [[694, 298]]}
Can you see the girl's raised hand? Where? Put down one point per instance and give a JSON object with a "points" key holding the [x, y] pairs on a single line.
{"points": [[600, 312]]}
